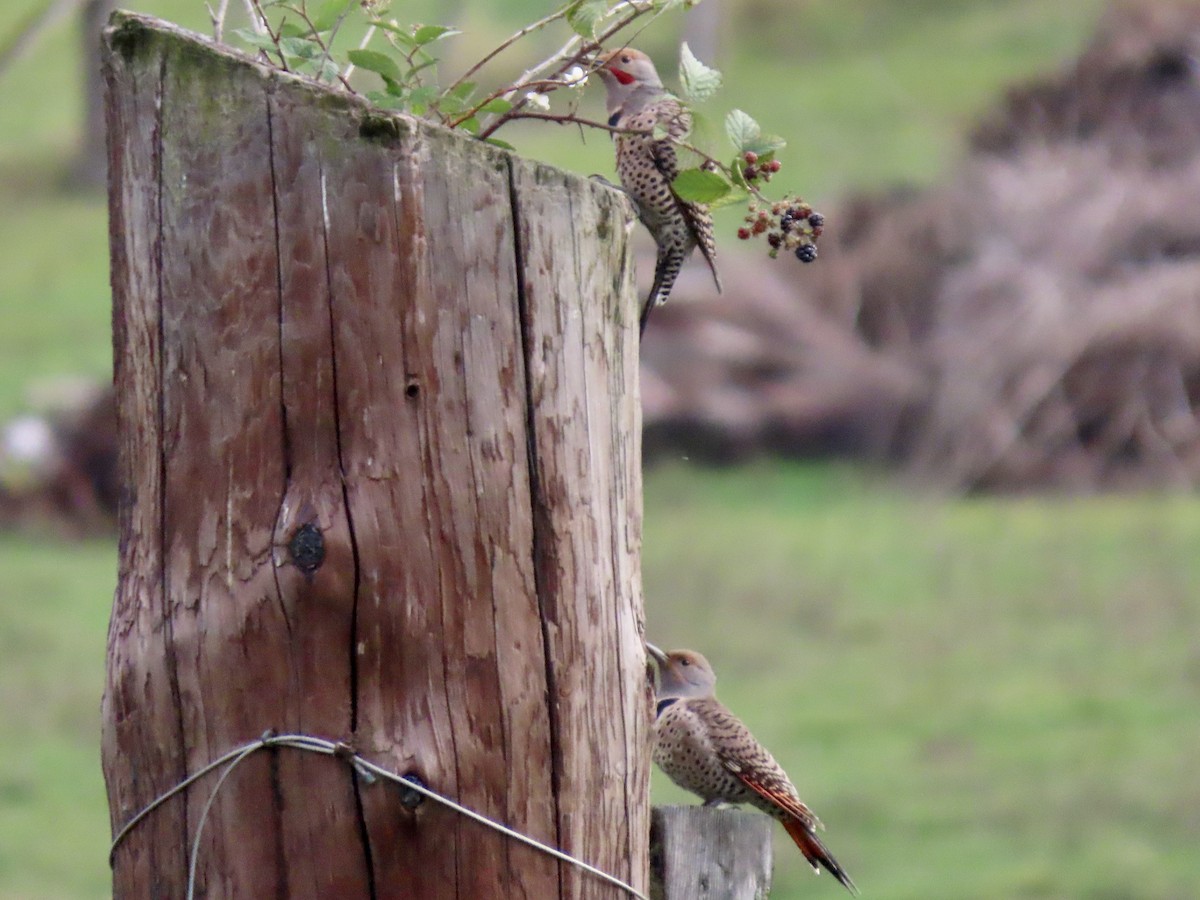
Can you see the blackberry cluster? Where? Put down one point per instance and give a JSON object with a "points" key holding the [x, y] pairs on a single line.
{"points": [[790, 225], [755, 169]]}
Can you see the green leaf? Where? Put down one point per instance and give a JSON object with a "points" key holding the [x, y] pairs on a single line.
{"points": [[293, 30], [585, 15], [735, 195], [742, 130], [401, 33], [331, 12], [422, 95], [699, 186], [427, 34], [254, 39], [463, 91], [374, 61], [699, 81], [328, 70], [496, 105], [301, 48], [471, 125], [504, 145], [765, 145]]}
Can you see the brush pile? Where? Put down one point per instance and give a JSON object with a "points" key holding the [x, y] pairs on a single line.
{"points": [[1033, 322]]}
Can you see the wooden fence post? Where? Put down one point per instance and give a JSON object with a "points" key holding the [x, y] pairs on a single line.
{"points": [[380, 439], [697, 852]]}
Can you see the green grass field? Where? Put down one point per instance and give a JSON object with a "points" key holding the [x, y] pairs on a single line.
{"points": [[982, 698], [986, 698]]}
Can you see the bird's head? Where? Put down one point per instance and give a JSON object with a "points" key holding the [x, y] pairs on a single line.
{"points": [[624, 71], [683, 673]]}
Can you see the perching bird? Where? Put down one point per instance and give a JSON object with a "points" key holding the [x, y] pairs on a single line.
{"points": [[647, 165], [705, 749]]}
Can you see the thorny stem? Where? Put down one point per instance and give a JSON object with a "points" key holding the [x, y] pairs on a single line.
{"points": [[572, 119], [326, 52], [528, 85], [504, 45], [258, 21], [575, 58], [218, 19], [262, 26]]}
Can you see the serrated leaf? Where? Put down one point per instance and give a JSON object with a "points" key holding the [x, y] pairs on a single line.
{"points": [[328, 70], [496, 105], [330, 12], [699, 81], [384, 100], [293, 30], [427, 34], [254, 39], [422, 95], [766, 145], [742, 130], [301, 48], [374, 61], [584, 16], [699, 186], [735, 195], [399, 32]]}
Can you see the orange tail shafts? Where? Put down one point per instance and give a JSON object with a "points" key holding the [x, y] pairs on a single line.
{"points": [[816, 853]]}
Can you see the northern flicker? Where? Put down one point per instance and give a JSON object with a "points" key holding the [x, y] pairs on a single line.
{"points": [[705, 749], [647, 165]]}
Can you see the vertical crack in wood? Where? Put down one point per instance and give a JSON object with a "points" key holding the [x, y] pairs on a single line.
{"points": [[286, 442], [537, 510], [359, 810], [171, 661], [281, 867]]}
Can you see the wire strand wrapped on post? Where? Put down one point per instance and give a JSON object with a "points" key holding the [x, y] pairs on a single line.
{"points": [[365, 769]]}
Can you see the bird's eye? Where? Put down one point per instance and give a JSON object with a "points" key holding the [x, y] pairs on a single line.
{"points": [[684, 662], [626, 59]]}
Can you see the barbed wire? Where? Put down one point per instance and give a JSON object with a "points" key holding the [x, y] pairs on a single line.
{"points": [[367, 770]]}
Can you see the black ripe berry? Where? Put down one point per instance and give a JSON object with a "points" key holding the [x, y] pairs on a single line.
{"points": [[775, 239], [806, 253], [816, 220]]}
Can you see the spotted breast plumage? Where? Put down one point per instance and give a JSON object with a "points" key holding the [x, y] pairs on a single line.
{"points": [[651, 121]]}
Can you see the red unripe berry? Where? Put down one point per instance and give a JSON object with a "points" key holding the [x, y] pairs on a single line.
{"points": [[774, 166], [751, 157], [760, 226], [744, 234]]}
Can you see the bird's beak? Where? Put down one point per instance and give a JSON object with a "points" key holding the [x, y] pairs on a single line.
{"points": [[659, 656]]}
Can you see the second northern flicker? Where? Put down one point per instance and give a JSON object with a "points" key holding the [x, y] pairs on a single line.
{"points": [[647, 163], [705, 749]]}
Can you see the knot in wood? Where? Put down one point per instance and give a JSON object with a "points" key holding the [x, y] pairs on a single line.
{"points": [[307, 548], [409, 798]]}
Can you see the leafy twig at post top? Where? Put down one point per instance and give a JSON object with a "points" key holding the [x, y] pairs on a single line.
{"points": [[302, 36]]}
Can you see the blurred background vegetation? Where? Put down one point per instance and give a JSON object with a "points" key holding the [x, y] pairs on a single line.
{"points": [[982, 696]]}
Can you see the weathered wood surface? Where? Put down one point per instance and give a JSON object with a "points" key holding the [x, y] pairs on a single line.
{"points": [[422, 350], [698, 852]]}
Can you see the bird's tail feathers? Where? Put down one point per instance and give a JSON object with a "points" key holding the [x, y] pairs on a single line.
{"points": [[817, 853], [666, 270]]}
